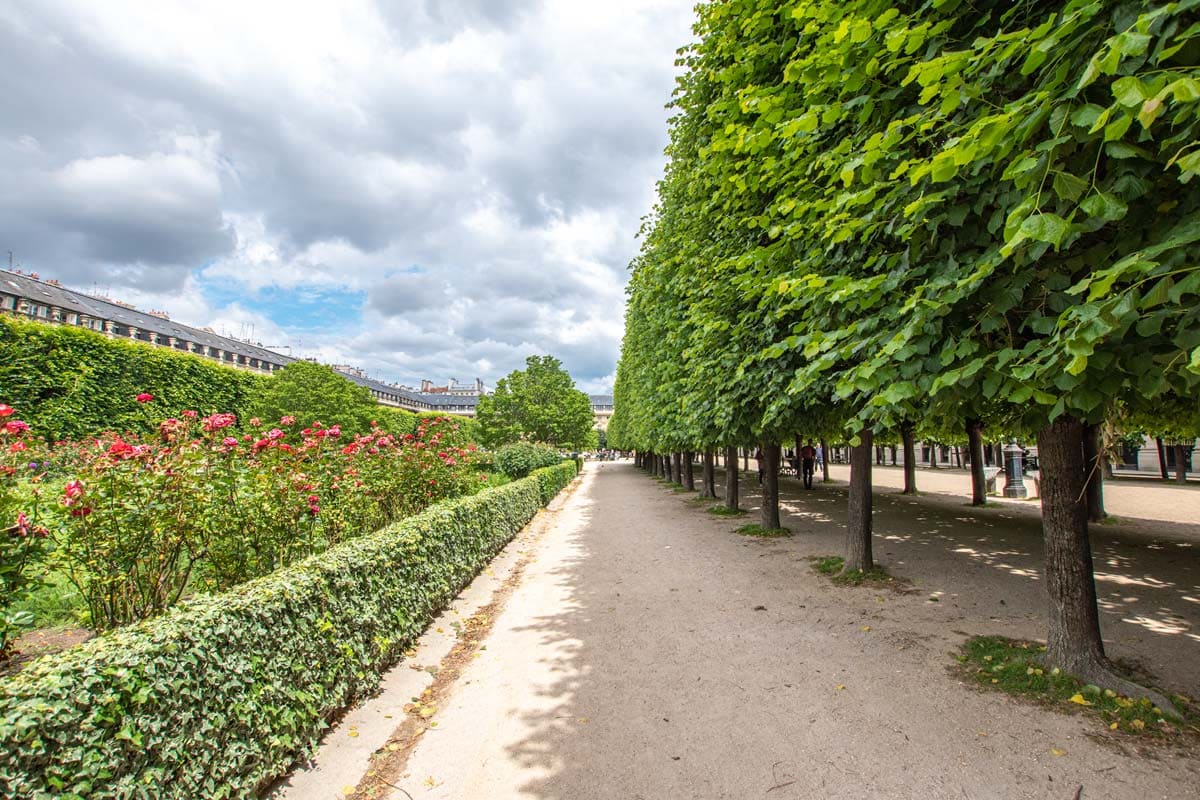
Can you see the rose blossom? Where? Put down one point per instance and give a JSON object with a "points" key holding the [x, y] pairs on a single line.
{"points": [[144, 397], [6, 410], [189, 413], [16, 426]]}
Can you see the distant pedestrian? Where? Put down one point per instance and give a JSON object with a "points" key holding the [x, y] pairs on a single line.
{"points": [[820, 456], [808, 462]]}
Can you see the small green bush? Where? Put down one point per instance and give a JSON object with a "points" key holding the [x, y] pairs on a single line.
{"points": [[219, 696], [521, 458]]}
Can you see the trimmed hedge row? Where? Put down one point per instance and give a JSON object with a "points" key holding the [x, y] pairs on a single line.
{"points": [[70, 382], [221, 695]]}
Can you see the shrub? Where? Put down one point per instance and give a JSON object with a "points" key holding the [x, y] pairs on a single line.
{"points": [[222, 694], [72, 382], [521, 458], [551, 480], [22, 536]]}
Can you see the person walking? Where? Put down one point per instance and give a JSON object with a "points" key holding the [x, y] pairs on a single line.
{"points": [[808, 462]]}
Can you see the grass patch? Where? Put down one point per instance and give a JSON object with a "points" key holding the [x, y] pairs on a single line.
{"points": [[57, 602], [1015, 667], [726, 511], [831, 566], [683, 489], [703, 501], [761, 532]]}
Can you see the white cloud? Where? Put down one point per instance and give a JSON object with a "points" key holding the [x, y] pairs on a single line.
{"points": [[476, 168]]}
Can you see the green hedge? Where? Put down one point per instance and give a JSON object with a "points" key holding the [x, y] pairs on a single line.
{"points": [[518, 459], [69, 382], [221, 695]]}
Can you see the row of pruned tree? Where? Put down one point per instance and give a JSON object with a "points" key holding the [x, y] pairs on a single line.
{"points": [[948, 214]]}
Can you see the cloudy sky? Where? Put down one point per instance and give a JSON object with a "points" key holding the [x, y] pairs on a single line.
{"points": [[424, 188]]}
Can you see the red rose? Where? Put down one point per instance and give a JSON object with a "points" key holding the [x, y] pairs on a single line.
{"points": [[144, 397]]}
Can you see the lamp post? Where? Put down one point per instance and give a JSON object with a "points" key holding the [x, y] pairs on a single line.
{"points": [[1014, 462]]}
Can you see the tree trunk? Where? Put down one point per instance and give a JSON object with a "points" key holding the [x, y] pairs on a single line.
{"points": [[910, 459], [1093, 453], [893, 455], [770, 484], [1073, 644], [858, 528], [677, 467], [708, 486], [731, 479], [1162, 458], [978, 480], [689, 477], [746, 460], [824, 462], [1180, 464]]}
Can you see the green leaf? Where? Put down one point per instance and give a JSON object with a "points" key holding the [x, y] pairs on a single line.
{"points": [[1046, 227], [1129, 91], [1105, 206], [1069, 187]]}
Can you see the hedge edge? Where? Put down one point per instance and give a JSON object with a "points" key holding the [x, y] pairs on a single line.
{"points": [[218, 697]]}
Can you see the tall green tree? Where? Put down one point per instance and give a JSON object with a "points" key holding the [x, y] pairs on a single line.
{"points": [[316, 393], [540, 404]]}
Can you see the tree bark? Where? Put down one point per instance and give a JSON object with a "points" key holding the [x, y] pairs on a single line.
{"points": [[689, 476], [1180, 464], [975, 444], [770, 484], [1162, 458], [1074, 644], [1093, 453], [910, 459], [731, 479], [858, 528], [677, 467], [708, 486], [824, 462], [746, 460], [893, 455]]}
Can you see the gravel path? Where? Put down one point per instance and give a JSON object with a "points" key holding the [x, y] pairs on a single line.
{"points": [[650, 652]]}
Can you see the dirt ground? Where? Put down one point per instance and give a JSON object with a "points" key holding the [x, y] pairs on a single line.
{"points": [[650, 652]]}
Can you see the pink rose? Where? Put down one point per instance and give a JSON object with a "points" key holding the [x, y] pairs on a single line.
{"points": [[144, 397]]}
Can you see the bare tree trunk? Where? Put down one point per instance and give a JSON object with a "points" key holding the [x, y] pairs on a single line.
{"points": [[746, 459], [708, 487], [824, 462], [893, 455], [731, 479], [1093, 452], [858, 529], [1180, 464], [910, 459], [770, 484], [677, 467], [978, 479], [1162, 457], [689, 477], [1074, 643]]}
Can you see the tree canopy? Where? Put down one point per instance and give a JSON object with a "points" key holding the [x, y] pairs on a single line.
{"points": [[539, 404], [316, 393]]}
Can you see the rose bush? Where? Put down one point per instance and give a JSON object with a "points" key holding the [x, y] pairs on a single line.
{"points": [[22, 535], [141, 521]]}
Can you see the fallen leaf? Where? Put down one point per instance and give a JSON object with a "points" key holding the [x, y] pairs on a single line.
{"points": [[1054, 751], [1114, 726], [1138, 725], [840, 687], [1079, 700], [347, 790], [866, 628], [352, 733]]}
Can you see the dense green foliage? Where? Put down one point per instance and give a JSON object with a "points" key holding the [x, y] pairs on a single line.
{"points": [[316, 393], [219, 696], [71, 382], [540, 404], [945, 211], [518, 459]]}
